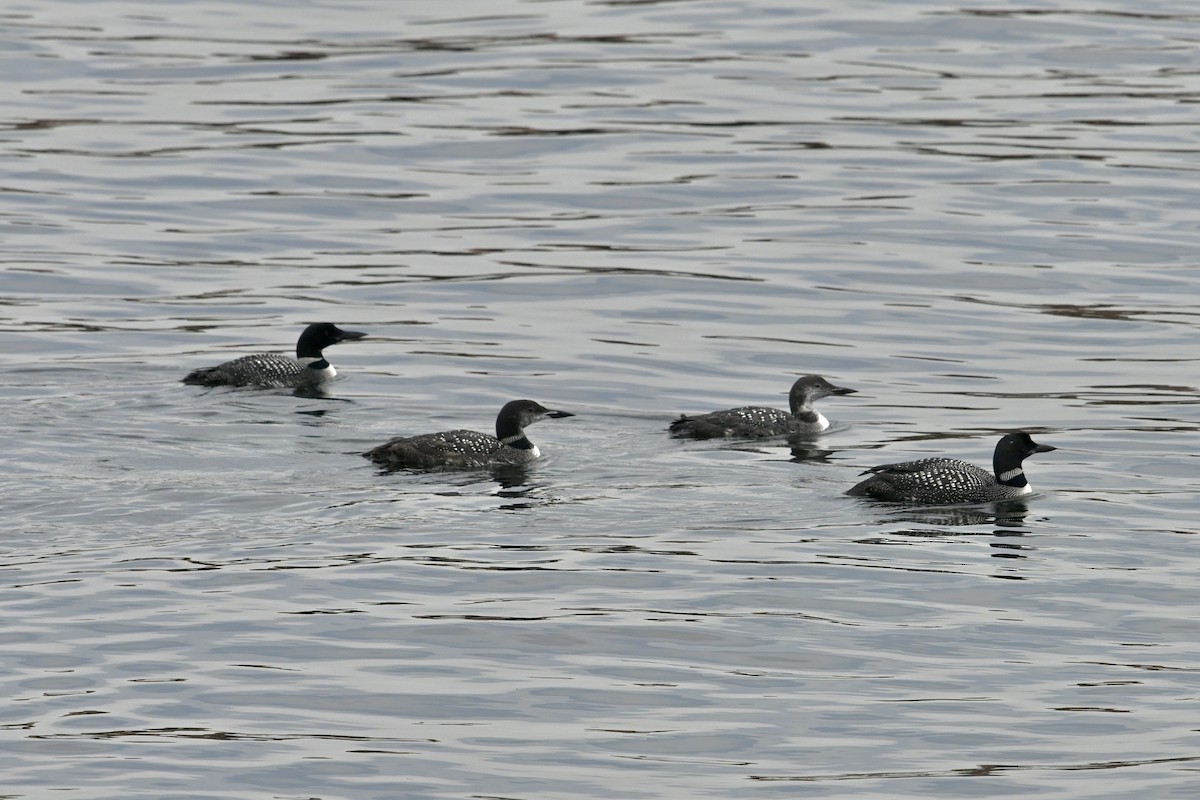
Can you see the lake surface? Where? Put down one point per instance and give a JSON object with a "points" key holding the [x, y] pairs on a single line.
{"points": [[981, 216]]}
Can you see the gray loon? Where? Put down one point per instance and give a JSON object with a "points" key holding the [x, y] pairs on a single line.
{"points": [[269, 370], [464, 449], [948, 481], [756, 422]]}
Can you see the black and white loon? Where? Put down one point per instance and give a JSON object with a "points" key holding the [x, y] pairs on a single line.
{"points": [[464, 449], [269, 370], [755, 422], [948, 481]]}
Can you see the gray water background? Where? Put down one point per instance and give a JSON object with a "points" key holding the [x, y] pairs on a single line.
{"points": [[982, 216]]}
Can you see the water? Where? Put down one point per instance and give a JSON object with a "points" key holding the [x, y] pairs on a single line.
{"points": [[979, 216]]}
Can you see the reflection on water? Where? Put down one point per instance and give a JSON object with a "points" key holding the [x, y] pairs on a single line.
{"points": [[983, 219], [806, 449], [511, 477], [1005, 514]]}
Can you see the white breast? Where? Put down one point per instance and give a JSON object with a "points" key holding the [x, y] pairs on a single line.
{"points": [[322, 374]]}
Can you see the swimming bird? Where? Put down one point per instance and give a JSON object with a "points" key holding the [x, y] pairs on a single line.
{"points": [[465, 449], [308, 369], [755, 422], [948, 481]]}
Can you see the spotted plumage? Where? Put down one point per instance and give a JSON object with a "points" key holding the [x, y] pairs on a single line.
{"points": [[268, 370], [948, 481], [757, 422], [466, 449]]}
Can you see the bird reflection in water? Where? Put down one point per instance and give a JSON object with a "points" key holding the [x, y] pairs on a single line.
{"points": [[1007, 519], [1005, 514], [805, 448]]}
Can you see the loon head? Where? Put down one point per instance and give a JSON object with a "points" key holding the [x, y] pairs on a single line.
{"points": [[320, 335], [810, 388], [516, 414], [1012, 449]]}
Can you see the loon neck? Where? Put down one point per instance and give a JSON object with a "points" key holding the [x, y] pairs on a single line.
{"points": [[1014, 476], [307, 350], [517, 440], [317, 363], [810, 416]]}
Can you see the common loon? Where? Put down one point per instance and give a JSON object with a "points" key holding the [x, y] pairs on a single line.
{"points": [[756, 422], [948, 481], [269, 370], [463, 449]]}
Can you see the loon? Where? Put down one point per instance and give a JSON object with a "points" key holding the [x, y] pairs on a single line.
{"points": [[268, 370], [463, 449], [756, 423], [948, 481]]}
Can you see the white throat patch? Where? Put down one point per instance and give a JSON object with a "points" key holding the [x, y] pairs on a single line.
{"points": [[325, 373], [516, 437], [1005, 477]]}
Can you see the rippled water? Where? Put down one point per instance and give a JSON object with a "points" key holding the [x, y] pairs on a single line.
{"points": [[980, 216]]}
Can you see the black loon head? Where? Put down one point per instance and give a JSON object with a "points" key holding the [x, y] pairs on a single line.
{"points": [[320, 335], [1012, 449], [810, 388], [516, 414]]}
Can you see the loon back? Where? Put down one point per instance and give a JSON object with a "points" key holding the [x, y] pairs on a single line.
{"points": [[263, 369], [936, 481], [457, 449], [749, 421]]}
